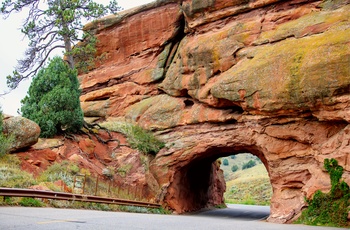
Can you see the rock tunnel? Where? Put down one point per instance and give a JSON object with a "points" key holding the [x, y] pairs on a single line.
{"points": [[201, 182], [292, 152]]}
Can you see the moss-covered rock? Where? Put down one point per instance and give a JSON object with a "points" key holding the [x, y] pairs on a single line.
{"points": [[163, 111], [290, 75], [24, 131]]}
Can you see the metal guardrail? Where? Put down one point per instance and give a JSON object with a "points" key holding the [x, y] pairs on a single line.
{"points": [[18, 192]]}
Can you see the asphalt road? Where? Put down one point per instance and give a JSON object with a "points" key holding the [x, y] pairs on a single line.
{"points": [[234, 217]]}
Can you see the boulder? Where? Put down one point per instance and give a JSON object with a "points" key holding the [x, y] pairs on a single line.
{"points": [[25, 132]]}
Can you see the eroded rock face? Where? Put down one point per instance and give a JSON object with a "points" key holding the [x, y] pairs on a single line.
{"points": [[216, 78], [128, 167]]}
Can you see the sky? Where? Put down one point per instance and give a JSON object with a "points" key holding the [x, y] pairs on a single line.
{"points": [[12, 48]]}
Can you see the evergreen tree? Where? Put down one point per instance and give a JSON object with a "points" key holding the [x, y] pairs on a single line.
{"points": [[53, 99]]}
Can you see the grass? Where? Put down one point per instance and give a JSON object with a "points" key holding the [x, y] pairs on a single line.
{"points": [[138, 138], [249, 186], [30, 202], [11, 175]]}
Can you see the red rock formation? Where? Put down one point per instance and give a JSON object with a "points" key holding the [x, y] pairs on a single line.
{"points": [[135, 50], [92, 155], [216, 78]]}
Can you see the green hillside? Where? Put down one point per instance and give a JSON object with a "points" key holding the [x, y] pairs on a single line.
{"points": [[248, 186]]}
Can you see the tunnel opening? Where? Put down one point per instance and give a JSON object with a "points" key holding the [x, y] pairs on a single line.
{"points": [[247, 180], [201, 183]]}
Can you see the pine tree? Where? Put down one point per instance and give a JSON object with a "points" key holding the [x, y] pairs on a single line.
{"points": [[54, 24], [53, 99]]}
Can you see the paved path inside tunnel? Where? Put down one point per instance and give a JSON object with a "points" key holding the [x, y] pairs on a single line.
{"points": [[238, 212]]}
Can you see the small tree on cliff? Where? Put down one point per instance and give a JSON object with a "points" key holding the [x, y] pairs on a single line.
{"points": [[53, 99], [54, 24]]}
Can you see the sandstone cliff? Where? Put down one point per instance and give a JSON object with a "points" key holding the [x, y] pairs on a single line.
{"points": [[215, 78]]}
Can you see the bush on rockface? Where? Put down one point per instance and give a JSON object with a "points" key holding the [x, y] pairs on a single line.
{"points": [[5, 140], [329, 209], [53, 99], [138, 138]]}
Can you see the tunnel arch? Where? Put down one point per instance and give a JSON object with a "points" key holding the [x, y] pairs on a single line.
{"points": [[289, 149], [200, 183]]}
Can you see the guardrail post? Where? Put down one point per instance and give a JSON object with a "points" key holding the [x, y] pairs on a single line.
{"points": [[75, 180], [96, 186], [84, 184], [109, 187]]}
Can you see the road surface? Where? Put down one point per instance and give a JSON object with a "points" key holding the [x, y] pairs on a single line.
{"points": [[234, 217]]}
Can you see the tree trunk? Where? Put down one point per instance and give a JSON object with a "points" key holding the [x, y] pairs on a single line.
{"points": [[68, 54]]}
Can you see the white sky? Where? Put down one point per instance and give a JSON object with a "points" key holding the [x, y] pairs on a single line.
{"points": [[12, 47]]}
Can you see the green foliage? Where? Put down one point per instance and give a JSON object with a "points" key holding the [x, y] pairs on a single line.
{"points": [[5, 144], [221, 206], [339, 188], [234, 168], [124, 170], [55, 24], [5, 140], [329, 209], [53, 99], [249, 164], [64, 171], [30, 202], [137, 137], [233, 156], [225, 162], [143, 140], [11, 174], [255, 191]]}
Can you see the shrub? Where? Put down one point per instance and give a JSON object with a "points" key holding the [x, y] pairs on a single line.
{"points": [[11, 174], [233, 156], [30, 202], [5, 141], [225, 162], [137, 137], [53, 99], [329, 209], [234, 168], [249, 164], [64, 171]]}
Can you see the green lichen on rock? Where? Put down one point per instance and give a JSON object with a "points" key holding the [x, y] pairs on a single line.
{"points": [[291, 74], [307, 25], [200, 58], [157, 112], [158, 73]]}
